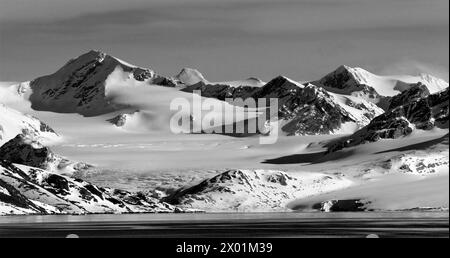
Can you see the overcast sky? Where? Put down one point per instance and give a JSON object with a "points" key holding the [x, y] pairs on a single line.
{"points": [[226, 40]]}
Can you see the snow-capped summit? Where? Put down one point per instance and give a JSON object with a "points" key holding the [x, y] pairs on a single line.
{"points": [[413, 94], [190, 76], [433, 83], [302, 109], [311, 110], [346, 76], [278, 86], [80, 85], [352, 81], [375, 88]]}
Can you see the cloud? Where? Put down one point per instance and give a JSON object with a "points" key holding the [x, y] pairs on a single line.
{"points": [[413, 67]]}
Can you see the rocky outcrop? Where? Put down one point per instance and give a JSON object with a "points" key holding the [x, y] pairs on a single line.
{"points": [[121, 119], [26, 150], [221, 91], [253, 190], [13, 122], [304, 109], [340, 206], [416, 92], [353, 81], [80, 85], [27, 190], [347, 79], [409, 113], [311, 110]]}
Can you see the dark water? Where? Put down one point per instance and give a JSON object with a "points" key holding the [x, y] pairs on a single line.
{"points": [[230, 225]]}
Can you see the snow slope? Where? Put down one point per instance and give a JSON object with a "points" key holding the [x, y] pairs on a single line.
{"points": [[154, 106], [375, 88], [136, 149], [302, 109], [13, 122], [409, 180], [80, 85], [27, 190], [409, 113], [347, 80], [254, 190]]}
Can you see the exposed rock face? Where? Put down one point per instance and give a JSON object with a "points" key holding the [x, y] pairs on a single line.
{"points": [[439, 104], [423, 113], [253, 190], [221, 92], [26, 190], [279, 87], [163, 81], [374, 88], [118, 120], [313, 111], [26, 150], [347, 78], [352, 81], [121, 119], [11, 200], [340, 206], [79, 86], [415, 93], [45, 128], [306, 109]]}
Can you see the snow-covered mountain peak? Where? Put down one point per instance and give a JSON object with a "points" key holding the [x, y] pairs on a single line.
{"points": [[348, 80], [190, 76], [412, 110], [28, 140], [431, 80], [80, 85], [284, 78], [96, 57], [101, 57], [90, 55], [346, 77]]}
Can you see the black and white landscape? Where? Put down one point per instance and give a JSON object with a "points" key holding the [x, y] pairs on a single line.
{"points": [[95, 137], [213, 118]]}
